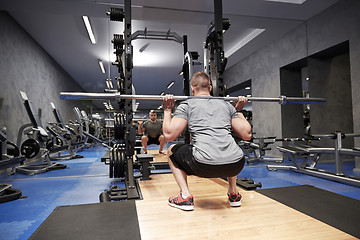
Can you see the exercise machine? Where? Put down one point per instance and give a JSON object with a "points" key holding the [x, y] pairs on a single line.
{"points": [[66, 135], [84, 121], [306, 157], [34, 148], [10, 158]]}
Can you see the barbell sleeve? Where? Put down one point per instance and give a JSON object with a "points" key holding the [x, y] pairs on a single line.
{"points": [[117, 96]]}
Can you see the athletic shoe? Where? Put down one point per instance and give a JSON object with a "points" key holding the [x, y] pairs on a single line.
{"points": [[161, 152], [234, 199], [186, 204], [145, 152]]}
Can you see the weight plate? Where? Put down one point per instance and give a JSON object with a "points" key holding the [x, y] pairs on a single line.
{"points": [[122, 126], [111, 169], [30, 148], [116, 167], [116, 126], [121, 158]]}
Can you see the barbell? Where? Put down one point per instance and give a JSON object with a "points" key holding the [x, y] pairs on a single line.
{"points": [[117, 96]]}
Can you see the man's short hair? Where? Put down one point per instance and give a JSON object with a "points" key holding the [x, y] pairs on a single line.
{"points": [[200, 81], [152, 111]]}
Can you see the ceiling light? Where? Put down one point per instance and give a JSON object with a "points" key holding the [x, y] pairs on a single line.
{"points": [[144, 47], [170, 84], [288, 1], [89, 29], [109, 83], [248, 88], [101, 66]]}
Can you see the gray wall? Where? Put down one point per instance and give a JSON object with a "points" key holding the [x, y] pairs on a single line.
{"points": [[330, 78], [263, 68], [291, 114], [339, 23], [25, 66]]}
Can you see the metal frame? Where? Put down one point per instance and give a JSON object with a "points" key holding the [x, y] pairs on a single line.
{"points": [[255, 150], [214, 56], [157, 35], [313, 154]]}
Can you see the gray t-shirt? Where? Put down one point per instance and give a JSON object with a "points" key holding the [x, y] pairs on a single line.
{"points": [[209, 122], [153, 129]]}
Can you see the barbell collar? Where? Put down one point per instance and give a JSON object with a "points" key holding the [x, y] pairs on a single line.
{"points": [[117, 96]]}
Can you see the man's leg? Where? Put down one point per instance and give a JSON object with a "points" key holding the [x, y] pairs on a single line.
{"points": [[144, 141], [180, 176], [184, 201], [233, 195], [232, 184], [162, 143]]}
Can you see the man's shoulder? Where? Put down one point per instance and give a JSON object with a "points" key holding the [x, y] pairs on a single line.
{"points": [[146, 122]]}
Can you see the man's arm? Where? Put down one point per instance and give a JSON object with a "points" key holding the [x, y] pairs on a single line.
{"points": [[141, 128], [240, 125], [172, 127]]}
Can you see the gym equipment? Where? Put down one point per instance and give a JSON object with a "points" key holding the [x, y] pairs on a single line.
{"points": [[121, 166], [143, 164], [64, 137], [117, 96], [116, 14], [34, 148], [9, 162], [84, 122], [119, 126], [248, 183], [113, 194], [310, 155], [214, 55], [7, 193], [30, 148], [255, 150], [144, 160], [10, 154]]}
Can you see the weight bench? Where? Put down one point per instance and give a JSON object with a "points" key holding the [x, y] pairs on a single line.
{"points": [[255, 150], [305, 158]]}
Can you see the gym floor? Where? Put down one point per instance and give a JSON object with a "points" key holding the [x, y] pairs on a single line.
{"points": [[86, 178]]}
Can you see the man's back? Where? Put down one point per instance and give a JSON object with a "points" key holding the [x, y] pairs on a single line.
{"points": [[209, 122]]}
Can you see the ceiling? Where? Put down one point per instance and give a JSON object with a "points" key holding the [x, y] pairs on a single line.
{"points": [[58, 27]]}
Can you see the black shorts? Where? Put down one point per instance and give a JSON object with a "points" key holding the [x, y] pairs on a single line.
{"points": [[153, 140], [183, 159]]}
